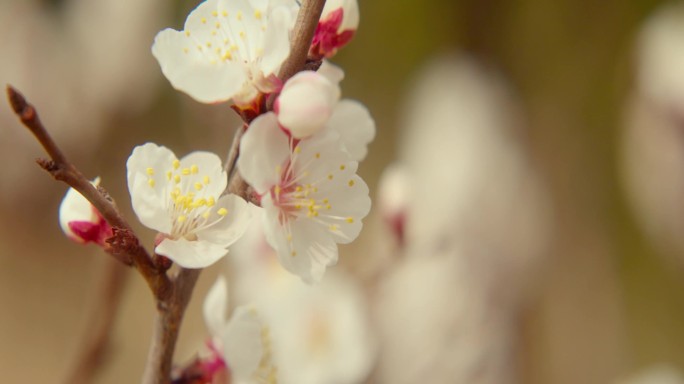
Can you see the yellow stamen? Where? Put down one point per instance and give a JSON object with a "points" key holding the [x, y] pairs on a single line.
{"points": [[150, 171], [222, 211], [151, 182], [176, 164]]}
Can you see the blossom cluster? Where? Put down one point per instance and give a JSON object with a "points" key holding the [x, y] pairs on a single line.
{"points": [[298, 155]]}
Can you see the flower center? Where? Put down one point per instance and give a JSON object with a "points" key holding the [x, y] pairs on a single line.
{"points": [[190, 206]]}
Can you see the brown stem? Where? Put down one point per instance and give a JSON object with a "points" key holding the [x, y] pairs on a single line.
{"points": [[167, 324], [124, 242], [305, 27], [96, 338]]}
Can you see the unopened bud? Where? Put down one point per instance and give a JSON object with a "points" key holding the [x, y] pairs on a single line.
{"points": [[80, 221], [338, 24], [306, 103]]}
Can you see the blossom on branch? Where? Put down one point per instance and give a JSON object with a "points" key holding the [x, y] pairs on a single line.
{"points": [[229, 49], [243, 343], [337, 26], [182, 199], [311, 195], [80, 221]]}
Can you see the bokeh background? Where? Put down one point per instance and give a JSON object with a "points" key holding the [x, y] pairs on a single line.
{"points": [[591, 103]]}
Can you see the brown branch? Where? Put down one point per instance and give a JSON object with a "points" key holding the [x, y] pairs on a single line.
{"points": [[305, 27], [167, 325], [63, 170], [96, 338], [234, 151]]}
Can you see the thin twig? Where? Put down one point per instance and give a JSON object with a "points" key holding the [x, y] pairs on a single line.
{"points": [[305, 27], [124, 241], [167, 325], [234, 152], [96, 338]]}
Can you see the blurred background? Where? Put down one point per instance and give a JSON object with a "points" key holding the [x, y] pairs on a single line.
{"points": [[528, 230]]}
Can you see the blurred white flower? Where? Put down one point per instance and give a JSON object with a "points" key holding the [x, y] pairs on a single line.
{"points": [[80, 221], [306, 103], [321, 333], [653, 150], [244, 341], [182, 199], [228, 49], [477, 226], [96, 51], [657, 374], [311, 195], [394, 197]]}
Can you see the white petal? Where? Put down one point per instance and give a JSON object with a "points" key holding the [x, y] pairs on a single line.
{"points": [[191, 254], [306, 103], [210, 165], [215, 306], [149, 202], [350, 203], [75, 207], [355, 125], [320, 155], [194, 72], [276, 41], [231, 226], [242, 346], [310, 250], [331, 71], [263, 150]]}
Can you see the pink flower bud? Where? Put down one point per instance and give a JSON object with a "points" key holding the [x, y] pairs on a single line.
{"points": [[80, 221], [337, 26], [306, 103]]}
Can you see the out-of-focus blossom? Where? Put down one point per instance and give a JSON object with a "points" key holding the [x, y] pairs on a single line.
{"points": [[321, 333], [96, 51], [182, 199], [244, 341], [311, 195], [80, 221], [337, 26], [476, 226], [229, 49], [306, 103], [653, 149], [394, 193], [658, 374]]}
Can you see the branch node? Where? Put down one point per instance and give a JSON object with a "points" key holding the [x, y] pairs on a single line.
{"points": [[48, 165]]}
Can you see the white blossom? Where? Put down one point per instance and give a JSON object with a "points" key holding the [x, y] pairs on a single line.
{"points": [[229, 49], [244, 341], [311, 195], [182, 199], [321, 333]]}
